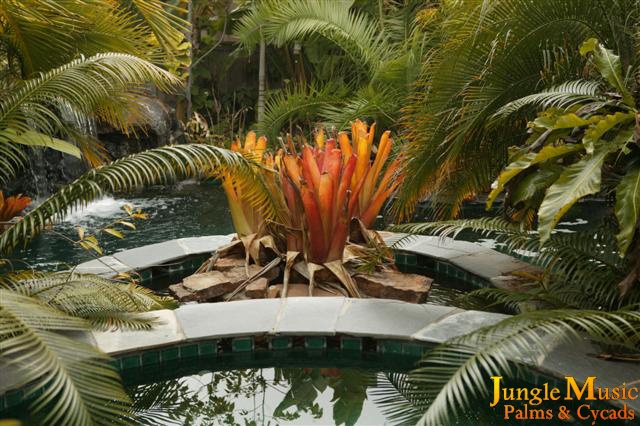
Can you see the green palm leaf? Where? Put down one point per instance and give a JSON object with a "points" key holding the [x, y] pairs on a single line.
{"points": [[158, 166], [281, 22], [456, 372], [562, 96], [105, 303], [79, 387], [486, 55], [84, 84]]}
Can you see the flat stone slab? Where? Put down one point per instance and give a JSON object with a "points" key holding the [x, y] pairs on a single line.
{"points": [[238, 318], [489, 264], [456, 324], [308, 316], [474, 258], [206, 244], [106, 266], [384, 318], [152, 254], [578, 359], [167, 331]]}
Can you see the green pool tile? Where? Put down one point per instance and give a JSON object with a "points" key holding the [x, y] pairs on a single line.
{"points": [[116, 363], [315, 342], [189, 351], [412, 259], [169, 354], [145, 275], [208, 348], [242, 344], [413, 349], [280, 343], [389, 347], [3, 403], [13, 398], [351, 343], [132, 361], [150, 357]]}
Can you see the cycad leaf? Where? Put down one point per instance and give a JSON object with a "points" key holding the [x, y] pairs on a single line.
{"points": [[562, 96], [548, 152], [79, 387], [628, 207], [578, 180], [159, 166]]}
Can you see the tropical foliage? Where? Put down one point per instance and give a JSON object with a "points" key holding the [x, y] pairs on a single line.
{"points": [[92, 64], [484, 56], [361, 61]]}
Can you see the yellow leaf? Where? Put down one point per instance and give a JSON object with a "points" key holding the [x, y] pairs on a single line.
{"points": [[80, 232], [127, 224], [113, 232]]}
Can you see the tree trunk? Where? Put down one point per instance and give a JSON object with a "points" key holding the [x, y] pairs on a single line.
{"points": [[187, 94], [262, 79]]}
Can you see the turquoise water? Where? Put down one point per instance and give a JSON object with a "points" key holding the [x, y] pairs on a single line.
{"points": [[186, 210]]}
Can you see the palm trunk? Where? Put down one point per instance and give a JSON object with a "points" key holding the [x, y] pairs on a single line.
{"points": [[187, 94], [262, 79]]}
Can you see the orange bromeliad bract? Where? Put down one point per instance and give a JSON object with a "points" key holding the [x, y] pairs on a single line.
{"points": [[10, 207], [246, 219], [317, 191]]}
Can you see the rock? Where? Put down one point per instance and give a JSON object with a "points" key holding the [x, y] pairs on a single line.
{"points": [[214, 284], [230, 262], [210, 284], [298, 290], [411, 288], [182, 294], [257, 289]]}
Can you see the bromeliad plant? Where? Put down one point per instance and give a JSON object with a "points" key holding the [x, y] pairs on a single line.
{"points": [[325, 187], [11, 207], [318, 192]]}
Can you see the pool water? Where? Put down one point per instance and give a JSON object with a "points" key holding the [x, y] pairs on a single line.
{"points": [[302, 388]]}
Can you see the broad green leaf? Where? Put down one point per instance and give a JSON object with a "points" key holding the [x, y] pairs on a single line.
{"points": [[597, 130], [534, 183], [569, 121], [512, 170], [628, 207], [578, 180], [32, 138], [609, 66]]}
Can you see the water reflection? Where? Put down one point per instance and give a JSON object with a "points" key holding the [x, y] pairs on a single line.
{"points": [[264, 396]]}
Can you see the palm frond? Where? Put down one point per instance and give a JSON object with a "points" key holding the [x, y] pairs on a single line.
{"points": [[159, 166], [281, 22], [84, 84], [394, 395], [294, 106], [78, 386], [564, 95], [487, 54], [456, 373], [583, 267], [12, 161], [104, 302]]}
